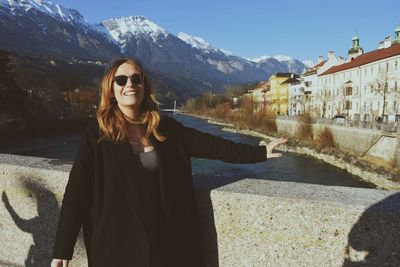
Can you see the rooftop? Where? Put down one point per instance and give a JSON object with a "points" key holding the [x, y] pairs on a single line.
{"points": [[366, 58]]}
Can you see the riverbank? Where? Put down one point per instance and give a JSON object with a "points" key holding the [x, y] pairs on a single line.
{"points": [[19, 130], [378, 173]]}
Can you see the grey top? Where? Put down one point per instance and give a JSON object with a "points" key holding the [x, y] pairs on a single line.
{"points": [[153, 213], [149, 160]]}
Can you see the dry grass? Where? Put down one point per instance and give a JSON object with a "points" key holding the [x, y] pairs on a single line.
{"points": [[222, 112], [245, 117], [325, 138], [304, 128]]}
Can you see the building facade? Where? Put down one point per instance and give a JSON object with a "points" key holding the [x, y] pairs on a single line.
{"points": [[278, 96], [366, 87], [306, 96]]}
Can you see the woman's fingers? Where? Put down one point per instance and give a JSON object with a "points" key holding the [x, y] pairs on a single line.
{"points": [[279, 141], [275, 155], [272, 145]]}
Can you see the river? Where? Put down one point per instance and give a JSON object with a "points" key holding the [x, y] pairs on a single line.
{"points": [[291, 167]]}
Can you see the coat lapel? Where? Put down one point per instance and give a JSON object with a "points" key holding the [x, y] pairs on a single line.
{"points": [[161, 148], [124, 163], [123, 157]]}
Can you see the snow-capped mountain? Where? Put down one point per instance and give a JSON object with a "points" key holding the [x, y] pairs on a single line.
{"points": [[200, 43], [184, 62], [282, 58], [34, 26], [56, 11], [278, 63], [308, 63], [258, 59], [120, 27]]}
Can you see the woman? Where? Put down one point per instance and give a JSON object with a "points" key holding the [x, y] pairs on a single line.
{"points": [[130, 187]]}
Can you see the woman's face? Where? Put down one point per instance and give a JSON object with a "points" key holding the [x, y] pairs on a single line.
{"points": [[128, 87]]}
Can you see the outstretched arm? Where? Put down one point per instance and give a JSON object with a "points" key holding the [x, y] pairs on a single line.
{"points": [[24, 225], [204, 145]]}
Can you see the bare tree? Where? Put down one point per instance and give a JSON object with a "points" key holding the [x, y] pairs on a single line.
{"points": [[344, 94], [304, 100], [324, 96], [380, 86]]}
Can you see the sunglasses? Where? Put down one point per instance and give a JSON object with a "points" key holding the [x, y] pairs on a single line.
{"points": [[121, 80]]}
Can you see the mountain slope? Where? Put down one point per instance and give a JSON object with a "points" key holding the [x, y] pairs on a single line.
{"points": [[29, 26], [187, 65]]}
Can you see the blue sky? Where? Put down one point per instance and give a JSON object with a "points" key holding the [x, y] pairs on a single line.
{"points": [[252, 28]]}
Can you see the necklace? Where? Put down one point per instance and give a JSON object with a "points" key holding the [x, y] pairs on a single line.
{"points": [[134, 142]]}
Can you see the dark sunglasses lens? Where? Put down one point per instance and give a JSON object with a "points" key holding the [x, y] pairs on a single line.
{"points": [[136, 79], [121, 80]]}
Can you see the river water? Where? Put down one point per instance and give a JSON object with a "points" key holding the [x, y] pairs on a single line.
{"points": [[291, 167]]}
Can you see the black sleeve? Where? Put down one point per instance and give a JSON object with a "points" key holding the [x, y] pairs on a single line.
{"points": [[76, 198], [204, 145]]}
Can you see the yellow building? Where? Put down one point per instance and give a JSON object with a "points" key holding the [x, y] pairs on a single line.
{"points": [[278, 96]]}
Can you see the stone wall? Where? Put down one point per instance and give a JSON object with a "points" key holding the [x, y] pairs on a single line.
{"points": [[356, 140], [245, 223]]}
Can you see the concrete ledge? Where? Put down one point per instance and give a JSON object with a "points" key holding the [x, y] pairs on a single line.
{"points": [[245, 223]]}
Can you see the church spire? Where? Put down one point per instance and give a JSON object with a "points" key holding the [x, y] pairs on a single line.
{"points": [[396, 39], [355, 50]]}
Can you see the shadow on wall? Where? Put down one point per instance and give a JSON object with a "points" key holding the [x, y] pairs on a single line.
{"points": [[375, 239], [42, 227], [207, 230], [204, 185]]}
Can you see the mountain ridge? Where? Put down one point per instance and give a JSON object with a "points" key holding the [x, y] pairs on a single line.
{"points": [[189, 63]]}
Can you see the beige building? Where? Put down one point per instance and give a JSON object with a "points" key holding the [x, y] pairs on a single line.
{"points": [[259, 95]]}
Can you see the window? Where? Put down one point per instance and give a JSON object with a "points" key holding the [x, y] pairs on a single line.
{"points": [[365, 106], [372, 88], [349, 90], [395, 65], [387, 66], [395, 86], [394, 106], [348, 105]]}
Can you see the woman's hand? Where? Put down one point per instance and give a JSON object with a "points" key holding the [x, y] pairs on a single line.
{"points": [[59, 263], [270, 147]]}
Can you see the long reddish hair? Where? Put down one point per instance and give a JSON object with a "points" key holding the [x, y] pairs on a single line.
{"points": [[112, 122]]}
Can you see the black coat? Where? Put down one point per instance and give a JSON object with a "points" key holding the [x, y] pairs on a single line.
{"points": [[97, 199]]}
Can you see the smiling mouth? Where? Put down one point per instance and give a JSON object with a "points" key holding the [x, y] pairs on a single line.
{"points": [[130, 93]]}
